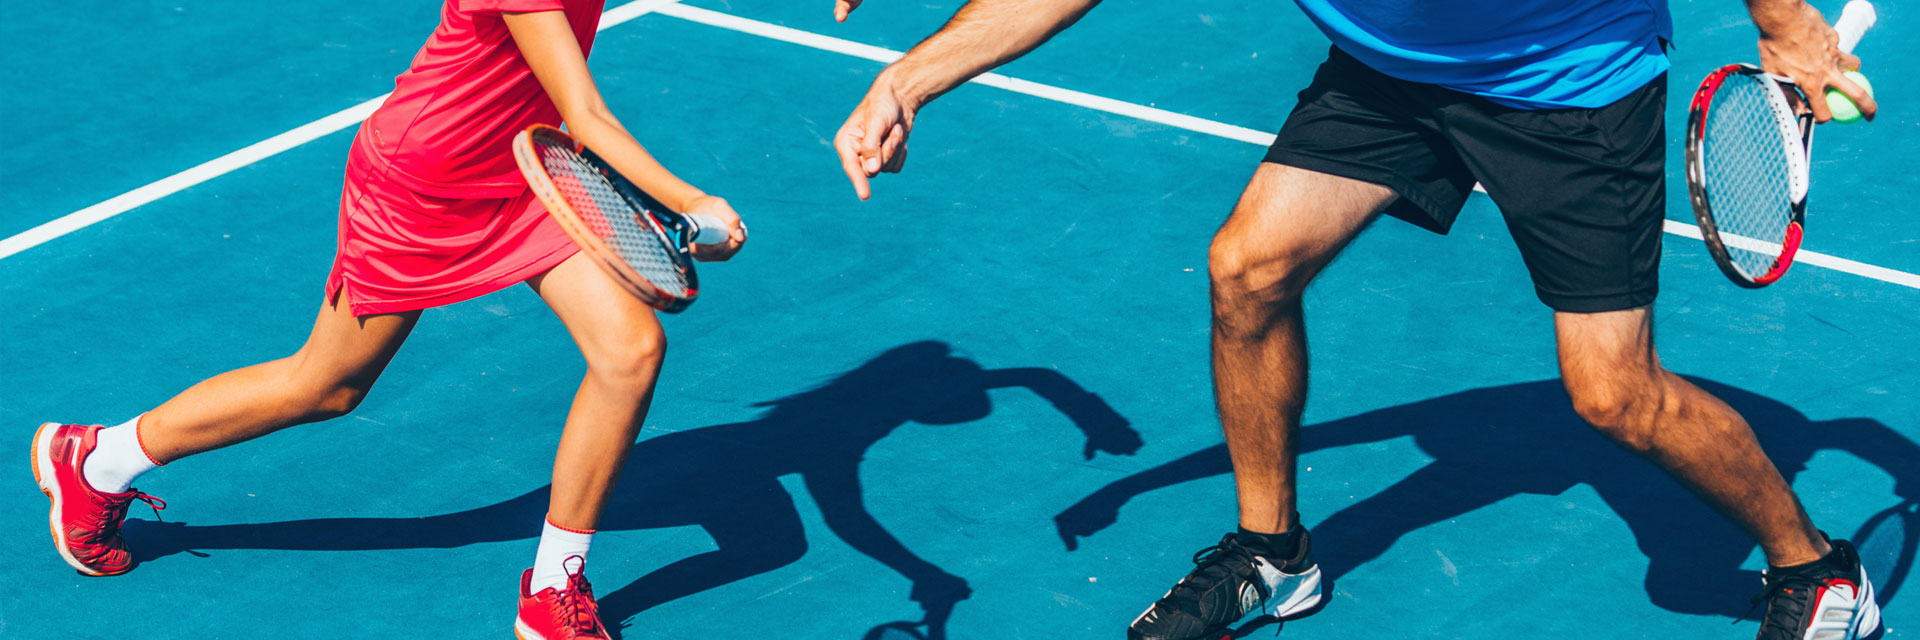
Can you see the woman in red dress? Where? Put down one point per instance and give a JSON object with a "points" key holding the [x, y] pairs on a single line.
{"points": [[433, 212]]}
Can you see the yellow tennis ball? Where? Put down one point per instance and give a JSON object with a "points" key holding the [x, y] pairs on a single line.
{"points": [[1843, 108]]}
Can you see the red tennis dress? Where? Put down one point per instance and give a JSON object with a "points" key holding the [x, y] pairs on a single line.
{"points": [[434, 211]]}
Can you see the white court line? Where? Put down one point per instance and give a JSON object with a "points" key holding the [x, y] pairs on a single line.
{"points": [[247, 155], [1815, 258], [824, 43], [329, 124], [1150, 114]]}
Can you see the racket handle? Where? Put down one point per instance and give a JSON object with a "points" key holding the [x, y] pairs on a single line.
{"points": [[1854, 21], [712, 231]]}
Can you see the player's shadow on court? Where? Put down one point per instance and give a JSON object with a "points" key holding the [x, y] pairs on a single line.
{"points": [[724, 478], [1493, 443]]}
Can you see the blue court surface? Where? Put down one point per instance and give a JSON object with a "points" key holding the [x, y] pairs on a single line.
{"points": [[874, 417]]}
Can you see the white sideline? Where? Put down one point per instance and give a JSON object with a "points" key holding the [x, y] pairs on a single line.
{"points": [[337, 121]]}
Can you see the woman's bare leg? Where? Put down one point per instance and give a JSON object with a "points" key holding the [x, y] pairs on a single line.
{"points": [[325, 379], [623, 345]]}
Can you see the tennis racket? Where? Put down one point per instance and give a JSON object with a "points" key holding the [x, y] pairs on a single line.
{"points": [[1749, 135], [645, 247]]}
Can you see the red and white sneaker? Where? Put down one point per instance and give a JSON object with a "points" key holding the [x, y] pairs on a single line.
{"points": [[85, 521], [554, 614], [1828, 600]]}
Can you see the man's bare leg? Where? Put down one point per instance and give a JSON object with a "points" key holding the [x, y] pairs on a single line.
{"points": [[1617, 384], [1288, 225]]}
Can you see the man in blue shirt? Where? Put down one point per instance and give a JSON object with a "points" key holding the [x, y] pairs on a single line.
{"points": [[1556, 107]]}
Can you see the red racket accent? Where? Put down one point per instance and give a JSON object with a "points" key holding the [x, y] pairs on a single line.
{"points": [[1703, 97], [1788, 247]]}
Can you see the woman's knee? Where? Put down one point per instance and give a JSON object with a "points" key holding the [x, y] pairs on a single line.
{"points": [[323, 389], [313, 399], [630, 360]]}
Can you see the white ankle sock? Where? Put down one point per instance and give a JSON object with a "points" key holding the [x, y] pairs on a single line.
{"points": [[550, 563], [117, 458]]}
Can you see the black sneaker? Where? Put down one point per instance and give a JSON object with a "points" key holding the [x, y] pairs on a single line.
{"points": [[1828, 600], [1231, 582]]}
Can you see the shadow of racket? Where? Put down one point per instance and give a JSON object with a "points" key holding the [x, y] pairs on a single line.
{"points": [[1887, 542]]}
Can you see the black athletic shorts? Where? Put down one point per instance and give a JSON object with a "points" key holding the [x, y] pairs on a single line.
{"points": [[1583, 190]]}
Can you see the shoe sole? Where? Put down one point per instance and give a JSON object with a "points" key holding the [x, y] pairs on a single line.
{"points": [[1306, 599], [1870, 614], [521, 631], [43, 474]]}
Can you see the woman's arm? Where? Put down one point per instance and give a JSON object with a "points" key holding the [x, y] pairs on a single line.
{"points": [[546, 41]]}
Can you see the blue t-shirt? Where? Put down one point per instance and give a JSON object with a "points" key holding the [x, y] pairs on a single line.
{"points": [[1531, 54]]}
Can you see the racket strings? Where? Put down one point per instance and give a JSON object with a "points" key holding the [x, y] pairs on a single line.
{"points": [[612, 217], [1749, 174]]}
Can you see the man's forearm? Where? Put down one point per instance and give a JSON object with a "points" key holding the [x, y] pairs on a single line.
{"points": [[984, 34]]}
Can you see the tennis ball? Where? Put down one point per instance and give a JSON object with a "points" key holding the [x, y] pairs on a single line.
{"points": [[1843, 108]]}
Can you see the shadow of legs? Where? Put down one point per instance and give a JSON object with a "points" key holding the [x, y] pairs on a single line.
{"points": [[759, 533]]}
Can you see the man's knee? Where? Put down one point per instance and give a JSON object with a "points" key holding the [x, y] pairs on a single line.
{"points": [[1623, 408], [1251, 274]]}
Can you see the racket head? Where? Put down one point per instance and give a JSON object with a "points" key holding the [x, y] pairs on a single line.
{"points": [[1748, 171], [644, 247]]}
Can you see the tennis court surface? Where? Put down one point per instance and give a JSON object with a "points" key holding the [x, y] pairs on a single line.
{"points": [[870, 415]]}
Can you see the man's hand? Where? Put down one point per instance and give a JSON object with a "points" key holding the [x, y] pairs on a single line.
{"points": [[1797, 43], [718, 209], [874, 138], [984, 34]]}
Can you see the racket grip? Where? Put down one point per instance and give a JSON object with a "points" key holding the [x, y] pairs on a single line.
{"points": [[1855, 19], [712, 231]]}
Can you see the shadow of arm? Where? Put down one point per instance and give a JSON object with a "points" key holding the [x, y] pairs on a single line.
{"points": [[1106, 429], [1100, 509], [836, 489]]}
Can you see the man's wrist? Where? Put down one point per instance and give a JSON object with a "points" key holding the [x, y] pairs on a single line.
{"points": [[1771, 16], [909, 87]]}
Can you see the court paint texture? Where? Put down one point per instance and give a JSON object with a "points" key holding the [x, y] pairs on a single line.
{"points": [[882, 395]]}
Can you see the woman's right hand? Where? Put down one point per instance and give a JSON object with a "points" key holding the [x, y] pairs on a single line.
{"points": [[717, 208]]}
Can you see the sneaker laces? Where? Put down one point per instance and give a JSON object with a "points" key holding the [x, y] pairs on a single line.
{"points": [[106, 521], [578, 609], [1212, 567], [1786, 606]]}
